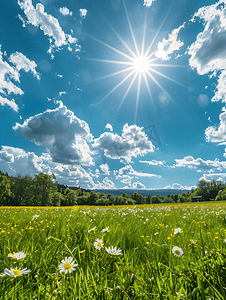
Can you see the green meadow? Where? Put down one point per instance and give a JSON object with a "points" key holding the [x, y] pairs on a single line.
{"points": [[137, 252]]}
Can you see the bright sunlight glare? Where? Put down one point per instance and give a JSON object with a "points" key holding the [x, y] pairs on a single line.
{"points": [[141, 65]]}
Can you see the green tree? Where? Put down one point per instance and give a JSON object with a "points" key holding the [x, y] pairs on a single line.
{"points": [[5, 190], [44, 188]]}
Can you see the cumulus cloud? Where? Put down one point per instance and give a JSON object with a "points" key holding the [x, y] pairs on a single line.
{"points": [[62, 133], [153, 162], [128, 172], [83, 12], [199, 164], [208, 51], [215, 176], [138, 185], [168, 46], [132, 142], [48, 24], [177, 186], [10, 77], [105, 184], [65, 11], [217, 135], [105, 169], [17, 161], [109, 126], [148, 3]]}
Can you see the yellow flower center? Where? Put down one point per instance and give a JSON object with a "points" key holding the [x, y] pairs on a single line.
{"points": [[177, 252], [99, 244], [17, 272], [67, 266]]}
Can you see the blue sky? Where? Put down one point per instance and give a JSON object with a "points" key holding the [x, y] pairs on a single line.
{"points": [[114, 94]]}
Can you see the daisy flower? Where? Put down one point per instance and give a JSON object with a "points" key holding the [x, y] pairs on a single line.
{"points": [[18, 255], [177, 230], [105, 229], [113, 251], [3, 274], [35, 217], [67, 265], [177, 251], [98, 244], [16, 272]]}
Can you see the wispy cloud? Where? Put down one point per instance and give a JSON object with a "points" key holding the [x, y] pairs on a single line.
{"points": [[49, 25], [168, 46], [10, 77]]}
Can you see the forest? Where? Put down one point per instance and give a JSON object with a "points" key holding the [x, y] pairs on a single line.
{"points": [[44, 190]]}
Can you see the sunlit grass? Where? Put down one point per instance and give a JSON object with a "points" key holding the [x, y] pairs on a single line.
{"points": [[135, 252]]}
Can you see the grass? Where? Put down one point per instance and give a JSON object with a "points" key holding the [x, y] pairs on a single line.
{"points": [[147, 268]]}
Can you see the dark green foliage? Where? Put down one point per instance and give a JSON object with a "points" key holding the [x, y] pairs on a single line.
{"points": [[44, 190]]}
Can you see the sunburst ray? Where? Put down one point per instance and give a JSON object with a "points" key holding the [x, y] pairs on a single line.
{"points": [[141, 63]]}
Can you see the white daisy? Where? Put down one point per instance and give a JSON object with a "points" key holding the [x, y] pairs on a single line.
{"points": [[98, 244], [16, 272], [113, 251], [3, 274], [105, 229], [177, 251], [67, 265], [18, 255], [35, 217], [177, 230]]}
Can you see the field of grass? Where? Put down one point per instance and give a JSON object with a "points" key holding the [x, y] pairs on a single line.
{"points": [[142, 252]]}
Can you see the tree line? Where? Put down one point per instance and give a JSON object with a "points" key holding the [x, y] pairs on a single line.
{"points": [[44, 190]]}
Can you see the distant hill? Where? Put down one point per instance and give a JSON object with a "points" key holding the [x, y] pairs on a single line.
{"points": [[163, 192]]}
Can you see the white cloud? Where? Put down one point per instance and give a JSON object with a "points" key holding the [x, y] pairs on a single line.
{"points": [[132, 142], [62, 133], [48, 24], [217, 135], [199, 164], [10, 74], [83, 12], [128, 172], [105, 168], [138, 185], [170, 45], [105, 184], [23, 63], [65, 11], [208, 51], [153, 162], [215, 176], [148, 3], [17, 161], [109, 126], [177, 186], [10, 103]]}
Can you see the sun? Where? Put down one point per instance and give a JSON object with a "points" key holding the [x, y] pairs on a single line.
{"points": [[139, 63]]}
